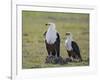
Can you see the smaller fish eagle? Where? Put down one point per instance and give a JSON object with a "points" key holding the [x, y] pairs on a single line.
{"points": [[72, 48], [52, 40]]}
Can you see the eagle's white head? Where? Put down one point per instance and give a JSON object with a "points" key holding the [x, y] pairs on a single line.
{"points": [[51, 33], [69, 35], [51, 25]]}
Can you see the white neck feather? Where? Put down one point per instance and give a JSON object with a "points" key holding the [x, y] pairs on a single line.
{"points": [[51, 35], [70, 38], [68, 43]]}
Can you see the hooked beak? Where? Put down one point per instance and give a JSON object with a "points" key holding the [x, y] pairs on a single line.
{"points": [[47, 24]]}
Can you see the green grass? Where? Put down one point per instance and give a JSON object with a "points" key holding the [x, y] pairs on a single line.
{"points": [[33, 46]]}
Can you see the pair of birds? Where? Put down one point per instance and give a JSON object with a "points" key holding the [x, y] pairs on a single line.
{"points": [[52, 41]]}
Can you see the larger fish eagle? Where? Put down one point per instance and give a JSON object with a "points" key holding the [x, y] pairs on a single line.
{"points": [[52, 40]]}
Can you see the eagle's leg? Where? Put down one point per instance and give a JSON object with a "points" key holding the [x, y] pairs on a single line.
{"points": [[57, 52], [70, 55], [49, 53], [53, 53], [58, 49]]}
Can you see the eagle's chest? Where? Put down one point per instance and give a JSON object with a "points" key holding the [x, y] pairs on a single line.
{"points": [[68, 45], [51, 37]]}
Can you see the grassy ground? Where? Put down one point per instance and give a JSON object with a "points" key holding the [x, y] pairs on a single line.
{"points": [[33, 46]]}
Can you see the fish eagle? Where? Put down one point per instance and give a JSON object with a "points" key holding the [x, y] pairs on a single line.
{"points": [[52, 40], [72, 48]]}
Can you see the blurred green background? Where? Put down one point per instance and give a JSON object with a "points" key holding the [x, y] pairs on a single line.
{"points": [[33, 45]]}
